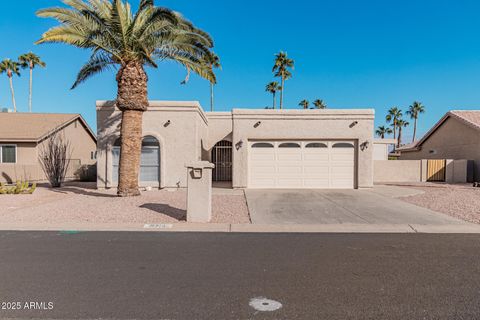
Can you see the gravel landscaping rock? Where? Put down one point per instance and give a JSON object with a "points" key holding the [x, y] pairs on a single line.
{"points": [[459, 201], [82, 203]]}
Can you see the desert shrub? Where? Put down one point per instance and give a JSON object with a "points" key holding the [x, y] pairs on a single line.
{"points": [[87, 173], [54, 158], [21, 187]]}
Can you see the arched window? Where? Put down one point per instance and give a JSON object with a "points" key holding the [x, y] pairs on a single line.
{"points": [[316, 145], [262, 145], [149, 161], [289, 145], [343, 145]]}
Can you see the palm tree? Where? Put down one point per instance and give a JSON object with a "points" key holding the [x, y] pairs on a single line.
{"points": [[214, 63], [382, 131], [401, 124], [281, 70], [30, 60], [414, 111], [319, 104], [394, 114], [273, 87], [304, 104], [11, 68], [119, 37]]}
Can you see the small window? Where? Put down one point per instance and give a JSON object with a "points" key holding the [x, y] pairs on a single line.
{"points": [[262, 145], [8, 154], [289, 145], [432, 151], [149, 141], [343, 145], [316, 145]]}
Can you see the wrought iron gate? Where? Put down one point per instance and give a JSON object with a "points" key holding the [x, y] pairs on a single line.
{"points": [[222, 158]]}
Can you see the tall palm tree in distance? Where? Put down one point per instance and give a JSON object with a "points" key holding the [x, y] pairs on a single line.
{"points": [[304, 104], [414, 111], [30, 61], [273, 87], [119, 37], [394, 114], [319, 104], [214, 64], [11, 68], [382, 131], [281, 68], [401, 124]]}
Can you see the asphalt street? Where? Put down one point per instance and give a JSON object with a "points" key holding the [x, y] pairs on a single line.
{"points": [[126, 275]]}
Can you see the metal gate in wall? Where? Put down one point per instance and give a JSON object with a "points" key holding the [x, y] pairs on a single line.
{"points": [[222, 159]]}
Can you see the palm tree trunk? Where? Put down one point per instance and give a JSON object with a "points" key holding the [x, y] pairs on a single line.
{"points": [[281, 93], [399, 136], [30, 91], [414, 129], [394, 129], [211, 96], [274, 100], [13, 95], [132, 100]]}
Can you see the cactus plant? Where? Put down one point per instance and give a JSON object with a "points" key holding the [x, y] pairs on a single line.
{"points": [[20, 187]]}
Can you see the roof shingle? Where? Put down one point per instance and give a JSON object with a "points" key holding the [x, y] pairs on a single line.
{"points": [[31, 126]]}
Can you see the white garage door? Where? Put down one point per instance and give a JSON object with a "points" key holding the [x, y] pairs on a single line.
{"points": [[302, 164]]}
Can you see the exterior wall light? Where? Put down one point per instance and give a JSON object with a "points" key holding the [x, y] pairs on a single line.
{"points": [[239, 144], [167, 123], [364, 145], [256, 125], [353, 124]]}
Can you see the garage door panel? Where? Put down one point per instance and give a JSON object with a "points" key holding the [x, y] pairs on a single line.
{"points": [[263, 157], [316, 183], [289, 170], [289, 157], [289, 183], [318, 166], [316, 157]]}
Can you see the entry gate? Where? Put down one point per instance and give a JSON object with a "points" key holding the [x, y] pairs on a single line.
{"points": [[222, 158], [436, 170]]}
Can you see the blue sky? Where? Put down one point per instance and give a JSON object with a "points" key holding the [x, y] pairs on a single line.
{"points": [[351, 53]]}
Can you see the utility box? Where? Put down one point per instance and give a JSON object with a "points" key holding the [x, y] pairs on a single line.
{"points": [[199, 191]]}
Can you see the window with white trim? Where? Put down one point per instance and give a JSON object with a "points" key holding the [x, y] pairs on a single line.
{"points": [[8, 153]]}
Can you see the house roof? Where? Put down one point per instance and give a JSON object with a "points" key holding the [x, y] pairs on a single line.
{"points": [[34, 127], [470, 118]]}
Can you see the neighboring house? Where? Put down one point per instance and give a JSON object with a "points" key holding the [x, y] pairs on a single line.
{"points": [[22, 135], [456, 136], [252, 148]]}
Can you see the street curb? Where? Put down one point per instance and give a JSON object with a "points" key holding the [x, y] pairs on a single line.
{"points": [[248, 228]]}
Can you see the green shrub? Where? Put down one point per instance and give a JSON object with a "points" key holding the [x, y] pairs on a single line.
{"points": [[21, 187]]}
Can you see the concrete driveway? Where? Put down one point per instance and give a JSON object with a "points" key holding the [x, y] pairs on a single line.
{"points": [[376, 206]]}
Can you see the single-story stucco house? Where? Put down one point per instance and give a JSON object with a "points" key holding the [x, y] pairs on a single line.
{"points": [[22, 135], [252, 148], [456, 136]]}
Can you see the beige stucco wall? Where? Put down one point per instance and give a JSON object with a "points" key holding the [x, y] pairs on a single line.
{"points": [[452, 140], [28, 167], [397, 171], [327, 124], [180, 141]]}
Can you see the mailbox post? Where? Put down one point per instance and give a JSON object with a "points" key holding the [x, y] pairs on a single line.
{"points": [[199, 191]]}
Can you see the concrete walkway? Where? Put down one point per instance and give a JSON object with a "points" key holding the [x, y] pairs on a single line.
{"points": [[378, 206]]}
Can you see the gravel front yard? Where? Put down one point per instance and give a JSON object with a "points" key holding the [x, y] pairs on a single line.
{"points": [[82, 203], [459, 201]]}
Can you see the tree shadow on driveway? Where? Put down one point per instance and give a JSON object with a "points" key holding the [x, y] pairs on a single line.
{"points": [[175, 213]]}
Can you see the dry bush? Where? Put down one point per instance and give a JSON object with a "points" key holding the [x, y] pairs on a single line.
{"points": [[54, 158]]}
